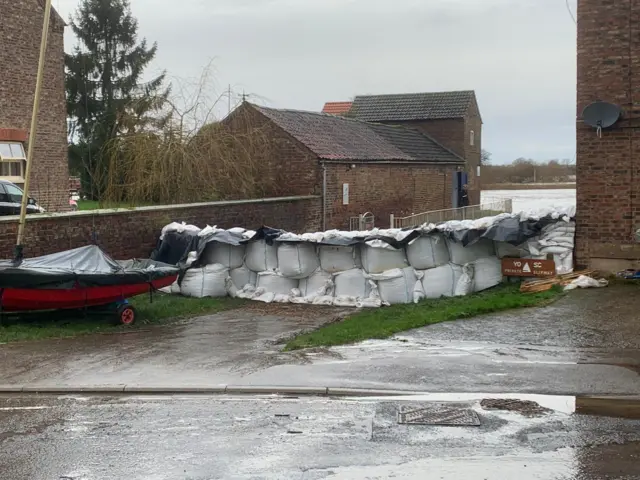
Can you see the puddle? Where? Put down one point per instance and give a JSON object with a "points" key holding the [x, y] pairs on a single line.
{"points": [[562, 404], [618, 407]]}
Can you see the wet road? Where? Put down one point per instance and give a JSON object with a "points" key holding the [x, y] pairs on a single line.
{"points": [[587, 343], [198, 438]]}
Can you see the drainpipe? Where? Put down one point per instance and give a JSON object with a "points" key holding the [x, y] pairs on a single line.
{"points": [[324, 196]]}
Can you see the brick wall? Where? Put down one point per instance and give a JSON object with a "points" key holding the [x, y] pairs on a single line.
{"points": [[133, 233], [473, 153], [454, 134], [608, 168], [20, 35], [401, 190], [291, 167]]}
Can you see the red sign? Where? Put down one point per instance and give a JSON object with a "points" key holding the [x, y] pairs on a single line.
{"points": [[526, 267]]}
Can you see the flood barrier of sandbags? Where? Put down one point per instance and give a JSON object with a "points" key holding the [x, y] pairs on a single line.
{"points": [[363, 269]]}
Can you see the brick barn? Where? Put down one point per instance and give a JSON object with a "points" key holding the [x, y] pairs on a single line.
{"points": [[357, 166], [608, 168], [20, 35], [451, 118]]}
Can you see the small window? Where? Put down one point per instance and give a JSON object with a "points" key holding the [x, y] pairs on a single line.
{"points": [[12, 160], [472, 138]]}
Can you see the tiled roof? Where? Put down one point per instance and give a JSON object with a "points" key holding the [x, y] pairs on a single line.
{"points": [[333, 137], [337, 108], [412, 106]]}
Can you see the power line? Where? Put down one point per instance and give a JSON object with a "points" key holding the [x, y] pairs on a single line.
{"points": [[573, 17]]}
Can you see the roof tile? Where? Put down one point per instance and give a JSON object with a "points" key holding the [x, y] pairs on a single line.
{"points": [[334, 137], [337, 108], [412, 106]]}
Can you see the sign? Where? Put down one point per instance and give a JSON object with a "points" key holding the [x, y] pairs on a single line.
{"points": [[526, 267]]}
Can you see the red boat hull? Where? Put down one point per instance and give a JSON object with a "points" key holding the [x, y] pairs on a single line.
{"points": [[30, 299]]}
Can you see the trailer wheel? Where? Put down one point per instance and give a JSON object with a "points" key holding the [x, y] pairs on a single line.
{"points": [[126, 314]]}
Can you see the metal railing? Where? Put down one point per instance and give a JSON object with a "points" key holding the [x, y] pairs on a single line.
{"points": [[472, 212], [363, 222]]}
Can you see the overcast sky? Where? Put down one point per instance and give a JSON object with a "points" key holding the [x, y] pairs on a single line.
{"points": [[518, 55]]}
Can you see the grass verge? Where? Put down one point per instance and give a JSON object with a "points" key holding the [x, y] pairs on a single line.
{"points": [[84, 205], [164, 309], [384, 322]]}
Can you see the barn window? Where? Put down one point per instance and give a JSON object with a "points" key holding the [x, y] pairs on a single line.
{"points": [[12, 161], [472, 138]]}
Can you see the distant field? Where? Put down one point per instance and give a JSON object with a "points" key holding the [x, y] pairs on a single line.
{"points": [[529, 186]]}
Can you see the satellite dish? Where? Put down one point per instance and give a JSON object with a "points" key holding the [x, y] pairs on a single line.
{"points": [[601, 114]]}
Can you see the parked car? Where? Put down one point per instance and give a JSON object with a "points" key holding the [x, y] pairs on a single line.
{"points": [[11, 200]]}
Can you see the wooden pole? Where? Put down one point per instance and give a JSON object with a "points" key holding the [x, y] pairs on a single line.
{"points": [[34, 126]]}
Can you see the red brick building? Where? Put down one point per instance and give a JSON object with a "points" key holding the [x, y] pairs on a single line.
{"points": [[608, 168], [20, 34], [451, 118], [356, 166]]}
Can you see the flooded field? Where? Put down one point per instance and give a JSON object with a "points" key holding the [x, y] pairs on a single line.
{"points": [[524, 200]]}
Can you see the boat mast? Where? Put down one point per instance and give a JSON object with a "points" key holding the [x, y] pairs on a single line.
{"points": [[32, 131]]}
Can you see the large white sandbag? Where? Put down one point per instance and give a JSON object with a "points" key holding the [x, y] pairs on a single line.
{"points": [[564, 262], [351, 283], [297, 260], [207, 281], [334, 259], [378, 260], [464, 286], [487, 273], [231, 256], [461, 255], [242, 276], [400, 285], [428, 251], [174, 288], [506, 250], [318, 284], [272, 282], [261, 257], [441, 281]]}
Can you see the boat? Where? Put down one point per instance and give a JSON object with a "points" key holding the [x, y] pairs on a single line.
{"points": [[80, 278]]}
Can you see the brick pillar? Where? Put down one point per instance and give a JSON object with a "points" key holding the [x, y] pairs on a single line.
{"points": [[608, 168]]}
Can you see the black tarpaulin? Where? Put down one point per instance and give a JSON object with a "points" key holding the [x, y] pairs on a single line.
{"points": [[85, 266], [174, 248]]}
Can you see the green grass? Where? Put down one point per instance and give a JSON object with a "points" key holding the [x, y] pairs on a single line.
{"points": [[385, 322], [164, 309], [95, 205]]}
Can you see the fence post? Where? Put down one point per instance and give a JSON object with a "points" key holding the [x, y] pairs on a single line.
{"points": [[392, 221], [508, 205]]}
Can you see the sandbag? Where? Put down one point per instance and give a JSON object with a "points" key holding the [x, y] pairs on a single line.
{"points": [[318, 284], [506, 250], [207, 281], [174, 289], [441, 281], [334, 259], [428, 251], [461, 255], [379, 260], [261, 257], [487, 273], [464, 286], [351, 283], [231, 256], [242, 277], [564, 262], [297, 260], [399, 286], [272, 282]]}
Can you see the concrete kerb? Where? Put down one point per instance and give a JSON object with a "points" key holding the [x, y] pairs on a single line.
{"points": [[202, 390]]}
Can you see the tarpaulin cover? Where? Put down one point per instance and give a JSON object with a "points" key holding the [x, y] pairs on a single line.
{"points": [[512, 229], [175, 246], [85, 266]]}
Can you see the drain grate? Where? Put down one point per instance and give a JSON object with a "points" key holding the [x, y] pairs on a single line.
{"points": [[438, 415]]}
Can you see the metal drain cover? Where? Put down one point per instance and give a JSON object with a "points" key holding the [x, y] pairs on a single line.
{"points": [[438, 415]]}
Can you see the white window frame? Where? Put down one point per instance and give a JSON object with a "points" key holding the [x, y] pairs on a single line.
{"points": [[16, 157], [472, 138]]}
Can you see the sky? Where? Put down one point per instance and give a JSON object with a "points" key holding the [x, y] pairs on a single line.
{"points": [[518, 55]]}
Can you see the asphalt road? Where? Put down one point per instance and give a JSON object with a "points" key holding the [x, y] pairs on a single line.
{"points": [[587, 343], [198, 438]]}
